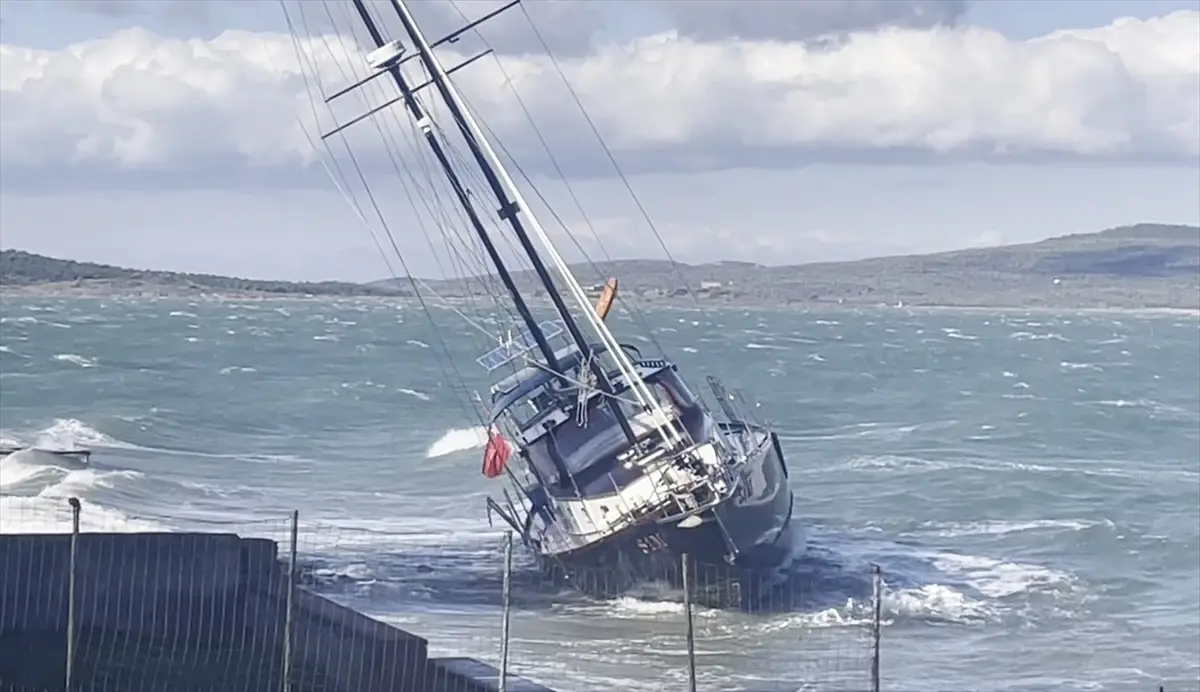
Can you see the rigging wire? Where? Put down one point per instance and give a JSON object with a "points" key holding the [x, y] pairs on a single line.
{"points": [[421, 283], [293, 35], [387, 136], [612, 159], [344, 189], [633, 309], [487, 279], [444, 222], [357, 208], [441, 222], [476, 136], [631, 306]]}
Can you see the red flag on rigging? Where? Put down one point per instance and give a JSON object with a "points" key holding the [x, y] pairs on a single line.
{"points": [[495, 456]]}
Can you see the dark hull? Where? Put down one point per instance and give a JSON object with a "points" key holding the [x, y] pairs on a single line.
{"points": [[742, 546], [80, 456]]}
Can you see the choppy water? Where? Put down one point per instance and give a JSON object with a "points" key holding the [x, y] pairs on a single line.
{"points": [[1030, 483]]}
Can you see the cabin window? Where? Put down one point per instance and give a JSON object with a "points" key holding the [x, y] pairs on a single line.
{"points": [[581, 446], [533, 409], [665, 397], [670, 389], [600, 439], [542, 462]]}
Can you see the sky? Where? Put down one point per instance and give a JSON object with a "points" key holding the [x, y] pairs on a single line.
{"points": [[185, 134]]}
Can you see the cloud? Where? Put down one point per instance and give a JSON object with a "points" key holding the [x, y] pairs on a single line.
{"points": [[570, 27], [183, 12], [573, 27], [789, 20], [137, 101]]}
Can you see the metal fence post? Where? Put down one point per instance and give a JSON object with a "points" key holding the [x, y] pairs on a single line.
{"points": [[290, 603], [71, 606], [687, 614], [876, 622], [507, 610]]}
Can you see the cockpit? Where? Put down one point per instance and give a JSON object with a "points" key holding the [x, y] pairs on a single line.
{"points": [[573, 444]]}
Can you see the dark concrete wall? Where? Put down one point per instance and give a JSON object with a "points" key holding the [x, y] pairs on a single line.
{"points": [[189, 612]]}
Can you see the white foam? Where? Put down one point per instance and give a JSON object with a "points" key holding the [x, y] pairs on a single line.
{"points": [[1030, 336], [953, 333], [26, 466], [76, 359], [934, 601], [85, 480], [413, 393], [628, 606], [998, 578], [458, 440], [53, 515], [71, 434], [359, 537], [1003, 528], [1155, 408], [29, 472], [36, 484], [928, 602]]}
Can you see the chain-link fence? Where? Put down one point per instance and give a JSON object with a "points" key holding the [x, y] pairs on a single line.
{"points": [[291, 607]]}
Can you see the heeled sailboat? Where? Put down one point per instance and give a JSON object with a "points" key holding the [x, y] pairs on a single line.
{"points": [[614, 468]]}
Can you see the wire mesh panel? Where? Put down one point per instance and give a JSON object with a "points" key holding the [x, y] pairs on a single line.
{"points": [[777, 632], [118, 610], [283, 606], [375, 609], [176, 611], [33, 598], [602, 629]]}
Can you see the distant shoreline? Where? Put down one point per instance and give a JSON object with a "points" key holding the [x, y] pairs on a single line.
{"points": [[107, 290], [1141, 267]]}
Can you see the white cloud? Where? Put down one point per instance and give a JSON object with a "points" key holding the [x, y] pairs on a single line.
{"points": [[791, 20], [138, 101], [570, 26]]}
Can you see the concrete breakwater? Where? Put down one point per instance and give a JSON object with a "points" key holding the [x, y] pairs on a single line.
{"points": [[197, 612]]}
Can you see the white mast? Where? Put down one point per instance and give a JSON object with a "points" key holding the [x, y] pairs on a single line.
{"points": [[641, 391]]}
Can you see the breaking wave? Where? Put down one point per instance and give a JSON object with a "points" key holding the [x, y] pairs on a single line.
{"points": [[458, 440], [35, 483]]}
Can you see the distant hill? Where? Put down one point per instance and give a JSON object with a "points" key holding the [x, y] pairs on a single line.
{"points": [[19, 268], [1141, 266]]}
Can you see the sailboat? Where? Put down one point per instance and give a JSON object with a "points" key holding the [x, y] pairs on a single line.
{"points": [[612, 468]]}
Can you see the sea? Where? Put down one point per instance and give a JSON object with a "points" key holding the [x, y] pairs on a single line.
{"points": [[1028, 482]]}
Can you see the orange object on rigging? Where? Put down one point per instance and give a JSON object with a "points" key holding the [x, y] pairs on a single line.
{"points": [[605, 302]]}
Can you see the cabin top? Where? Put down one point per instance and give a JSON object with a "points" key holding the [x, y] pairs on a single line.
{"points": [[530, 379], [563, 436], [534, 380]]}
